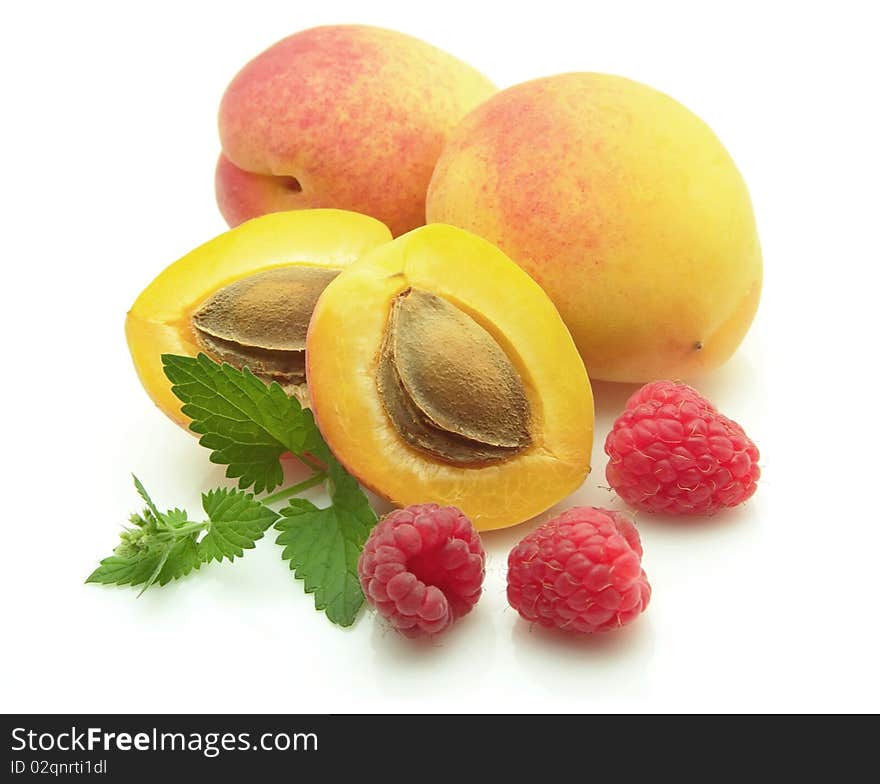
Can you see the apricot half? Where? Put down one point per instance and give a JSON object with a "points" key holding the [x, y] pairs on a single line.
{"points": [[440, 371], [246, 297]]}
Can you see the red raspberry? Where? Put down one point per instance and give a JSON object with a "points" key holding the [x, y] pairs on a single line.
{"points": [[579, 572], [672, 451], [423, 567]]}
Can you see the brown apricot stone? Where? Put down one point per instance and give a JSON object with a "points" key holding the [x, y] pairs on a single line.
{"points": [[447, 386], [260, 321]]}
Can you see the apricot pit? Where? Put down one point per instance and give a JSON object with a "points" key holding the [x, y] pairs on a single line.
{"points": [[447, 385], [260, 321], [440, 372], [246, 298]]}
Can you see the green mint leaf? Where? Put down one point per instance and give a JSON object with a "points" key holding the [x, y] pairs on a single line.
{"points": [[323, 545], [155, 550], [246, 424], [142, 492], [174, 518], [236, 522], [151, 560]]}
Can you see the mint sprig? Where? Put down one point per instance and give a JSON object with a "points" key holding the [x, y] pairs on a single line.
{"points": [[248, 425], [160, 547]]}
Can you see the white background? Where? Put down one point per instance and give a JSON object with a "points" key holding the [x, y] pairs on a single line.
{"points": [[108, 148]]}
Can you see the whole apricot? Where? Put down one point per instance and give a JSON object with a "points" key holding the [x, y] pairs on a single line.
{"points": [[347, 116], [623, 206]]}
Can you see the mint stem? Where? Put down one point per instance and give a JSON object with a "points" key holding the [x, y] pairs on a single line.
{"points": [[296, 489], [189, 528]]}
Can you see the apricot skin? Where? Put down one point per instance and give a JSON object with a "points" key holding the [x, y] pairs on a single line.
{"points": [[343, 116], [159, 320], [627, 210], [476, 277]]}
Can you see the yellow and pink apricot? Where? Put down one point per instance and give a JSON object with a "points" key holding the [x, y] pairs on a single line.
{"points": [[349, 117], [624, 206]]}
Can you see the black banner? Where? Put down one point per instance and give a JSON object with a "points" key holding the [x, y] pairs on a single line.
{"points": [[262, 748]]}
